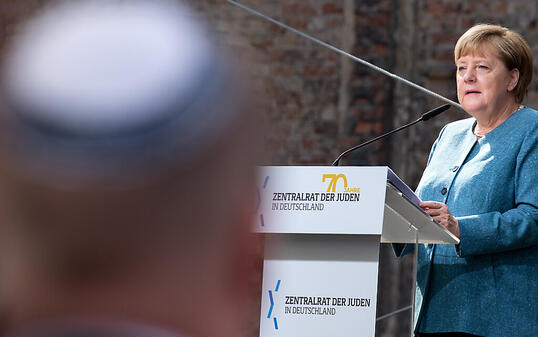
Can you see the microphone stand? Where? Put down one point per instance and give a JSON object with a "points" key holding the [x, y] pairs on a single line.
{"points": [[430, 114], [337, 160]]}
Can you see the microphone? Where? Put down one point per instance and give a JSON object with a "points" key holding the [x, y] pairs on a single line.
{"points": [[426, 116]]}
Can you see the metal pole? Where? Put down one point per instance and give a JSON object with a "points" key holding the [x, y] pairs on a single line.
{"points": [[355, 58]]}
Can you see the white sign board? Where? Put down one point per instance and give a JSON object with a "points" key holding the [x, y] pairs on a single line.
{"points": [[319, 285], [321, 199]]}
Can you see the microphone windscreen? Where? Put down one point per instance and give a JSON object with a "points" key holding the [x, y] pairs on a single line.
{"points": [[434, 112]]}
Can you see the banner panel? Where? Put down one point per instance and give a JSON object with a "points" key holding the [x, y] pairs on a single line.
{"points": [[319, 285], [321, 199]]}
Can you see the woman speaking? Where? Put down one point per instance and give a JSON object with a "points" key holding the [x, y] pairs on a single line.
{"points": [[481, 184]]}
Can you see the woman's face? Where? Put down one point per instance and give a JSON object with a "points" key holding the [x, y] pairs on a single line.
{"points": [[484, 83]]}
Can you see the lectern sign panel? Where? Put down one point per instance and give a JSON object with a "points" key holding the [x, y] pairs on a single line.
{"points": [[319, 285], [322, 199]]}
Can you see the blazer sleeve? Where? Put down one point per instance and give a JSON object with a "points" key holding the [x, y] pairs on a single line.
{"points": [[516, 228], [401, 249]]}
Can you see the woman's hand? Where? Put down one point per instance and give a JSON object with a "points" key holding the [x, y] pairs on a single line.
{"points": [[440, 213]]}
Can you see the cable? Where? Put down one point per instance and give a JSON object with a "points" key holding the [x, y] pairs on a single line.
{"points": [[355, 58], [393, 313]]}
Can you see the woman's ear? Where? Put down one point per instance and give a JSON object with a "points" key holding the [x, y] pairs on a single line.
{"points": [[514, 78]]}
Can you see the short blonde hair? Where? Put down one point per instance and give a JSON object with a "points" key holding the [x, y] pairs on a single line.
{"points": [[510, 47]]}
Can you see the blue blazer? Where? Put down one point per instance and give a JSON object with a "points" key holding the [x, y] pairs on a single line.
{"points": [[488, 284]]}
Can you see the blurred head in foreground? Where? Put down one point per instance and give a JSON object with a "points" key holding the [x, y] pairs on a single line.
{"points": [[125, 173]]}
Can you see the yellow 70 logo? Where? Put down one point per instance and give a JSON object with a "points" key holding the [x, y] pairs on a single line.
{"points": [[334, 179]]}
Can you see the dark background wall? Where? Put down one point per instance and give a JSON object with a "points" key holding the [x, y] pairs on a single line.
{"points": [[320, 103]]}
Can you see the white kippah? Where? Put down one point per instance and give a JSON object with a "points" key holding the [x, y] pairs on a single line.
{"points": [[103, 67], [111, 88]]}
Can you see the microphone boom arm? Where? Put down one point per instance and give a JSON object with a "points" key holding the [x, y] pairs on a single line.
{"points": [[337, 160], [426, 116]]}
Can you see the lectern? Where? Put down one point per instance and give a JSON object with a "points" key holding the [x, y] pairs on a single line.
{"points": [[323, 226]]}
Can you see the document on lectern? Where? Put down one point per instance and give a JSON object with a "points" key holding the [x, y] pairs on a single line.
{"points": [[402, 187]]}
